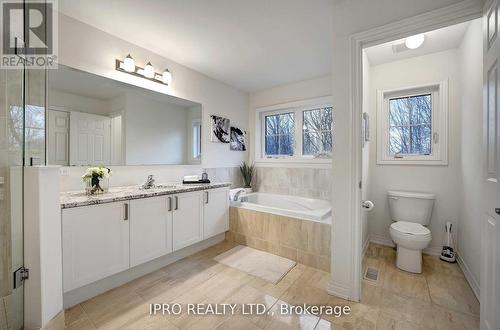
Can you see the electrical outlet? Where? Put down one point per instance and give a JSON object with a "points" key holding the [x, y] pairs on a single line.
{"points": [[64, 171]]}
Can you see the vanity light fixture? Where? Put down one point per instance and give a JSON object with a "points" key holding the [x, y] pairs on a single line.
{"points": [[129, 64], [148, 72], [167, 77]]}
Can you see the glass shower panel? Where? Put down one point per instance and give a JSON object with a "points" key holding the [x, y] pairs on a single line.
{"points": [[35, 116], [11, 195]]}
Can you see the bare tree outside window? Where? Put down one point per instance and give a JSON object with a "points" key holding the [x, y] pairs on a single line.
{"points": [[317, 131], [410, 125], [279, 139]]}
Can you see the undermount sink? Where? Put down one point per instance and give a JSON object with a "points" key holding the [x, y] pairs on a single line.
{"points": [[162, 186]]}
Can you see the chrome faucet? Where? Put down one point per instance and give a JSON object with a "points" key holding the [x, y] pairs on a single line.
{"points": [[150, 182], [237, 195]]}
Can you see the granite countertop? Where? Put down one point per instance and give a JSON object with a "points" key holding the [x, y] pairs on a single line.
{"points": [[79, 198]]}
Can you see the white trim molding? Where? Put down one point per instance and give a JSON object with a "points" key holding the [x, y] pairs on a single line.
{"points": [[346, 230], [298, 160], [474, 284]]}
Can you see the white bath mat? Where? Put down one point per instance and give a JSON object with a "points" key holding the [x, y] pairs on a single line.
{"points": [[269, 267]]}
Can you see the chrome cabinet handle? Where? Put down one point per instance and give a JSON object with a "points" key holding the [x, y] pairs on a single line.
{"points": [[176, 203], [125, 218], [170, 204], [206, 193]]}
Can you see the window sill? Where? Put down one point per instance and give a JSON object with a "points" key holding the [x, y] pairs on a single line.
{"points": [[421, 162], [293, 162]]}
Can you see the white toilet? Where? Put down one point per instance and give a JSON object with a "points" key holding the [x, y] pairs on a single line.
{"points": [[411, 213]]}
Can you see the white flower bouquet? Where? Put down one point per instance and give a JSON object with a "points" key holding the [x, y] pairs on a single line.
{"points": [[97, 180]]}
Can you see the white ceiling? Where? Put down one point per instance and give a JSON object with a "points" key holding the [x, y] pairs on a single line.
{"points": [[250, 45], [435, 41]]}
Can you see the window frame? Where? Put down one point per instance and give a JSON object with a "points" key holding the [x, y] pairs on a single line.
{"points": [[439, 125], [196, 123], [297, 108]]}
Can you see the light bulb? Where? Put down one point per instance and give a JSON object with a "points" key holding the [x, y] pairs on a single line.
{"points": [[129, 64], [415, 41], [167, 77], [149, 71]]}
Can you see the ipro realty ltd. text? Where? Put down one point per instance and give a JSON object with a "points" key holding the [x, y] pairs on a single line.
{"points": [[247, 309]]}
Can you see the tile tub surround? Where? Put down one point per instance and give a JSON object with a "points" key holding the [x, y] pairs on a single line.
{"points": [[306, 242], [226, 174], [79, 198], [302, 182]]}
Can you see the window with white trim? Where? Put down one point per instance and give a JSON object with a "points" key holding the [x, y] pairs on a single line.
{"points": [[297, 133], [412, 126]]}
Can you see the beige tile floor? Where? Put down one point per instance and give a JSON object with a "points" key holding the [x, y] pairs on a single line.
{"points": [[440, 298]]}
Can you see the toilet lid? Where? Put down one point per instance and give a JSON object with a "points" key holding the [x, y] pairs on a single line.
{"points": [[410, 228]]}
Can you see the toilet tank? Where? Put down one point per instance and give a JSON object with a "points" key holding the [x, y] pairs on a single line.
{"points": [[411, 206]]}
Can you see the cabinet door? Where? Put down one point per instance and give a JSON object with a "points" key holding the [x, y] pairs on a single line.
{"points": [[216, 212], [187, 219], [95, 243], [150, 229]]}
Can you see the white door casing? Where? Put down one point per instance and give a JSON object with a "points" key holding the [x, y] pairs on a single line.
{"points": [[90, 139], [490, 221], [58, 137], [346, 276]]}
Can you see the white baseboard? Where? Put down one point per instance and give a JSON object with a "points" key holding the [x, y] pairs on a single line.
{"points": [[338, 290], [91, 290], [474, 284], [382, 240], [387, 241]]}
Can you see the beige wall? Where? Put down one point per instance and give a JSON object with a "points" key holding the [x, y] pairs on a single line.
{"points": [[303, 182]]}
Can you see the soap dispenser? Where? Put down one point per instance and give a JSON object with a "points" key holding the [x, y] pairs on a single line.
{"points": [[204, 176]]}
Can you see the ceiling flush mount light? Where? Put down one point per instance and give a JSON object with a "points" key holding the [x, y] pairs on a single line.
{"points": [[415, 41], [148, 72]]}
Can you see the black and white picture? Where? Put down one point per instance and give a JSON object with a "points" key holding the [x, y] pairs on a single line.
{"points": [[238, 139], [220, 129]]}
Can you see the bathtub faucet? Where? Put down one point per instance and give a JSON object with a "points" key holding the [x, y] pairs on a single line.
{"points": [[237, 194]]}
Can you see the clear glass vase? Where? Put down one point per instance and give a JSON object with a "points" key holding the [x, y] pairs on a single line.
{"points": [[97, 186]]}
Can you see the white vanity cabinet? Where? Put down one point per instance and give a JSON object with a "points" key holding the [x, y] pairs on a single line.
{"points": [[150, 229], [215, 212], [95, 243], [107, 238], [187, 219]]}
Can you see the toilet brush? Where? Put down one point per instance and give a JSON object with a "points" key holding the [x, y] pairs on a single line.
{"points": [[448, 254]]}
